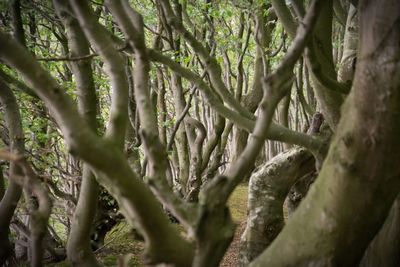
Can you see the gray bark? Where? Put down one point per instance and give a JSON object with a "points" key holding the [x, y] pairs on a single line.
{"points": [[13, 193], [358, 183], [134, 198], [384, 250], [268, 188], [79, 248], [348, 61]]}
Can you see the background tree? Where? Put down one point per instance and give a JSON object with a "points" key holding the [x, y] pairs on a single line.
{"points": [[155, 111]]}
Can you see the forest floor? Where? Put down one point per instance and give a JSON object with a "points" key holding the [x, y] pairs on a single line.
{"points": [[120, 246], [238, 206]]}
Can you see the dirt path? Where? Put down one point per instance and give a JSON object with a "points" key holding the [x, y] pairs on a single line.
{"points": [[232, 255]]}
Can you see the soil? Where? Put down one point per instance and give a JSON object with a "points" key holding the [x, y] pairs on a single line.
{"points": [[231, 258]]}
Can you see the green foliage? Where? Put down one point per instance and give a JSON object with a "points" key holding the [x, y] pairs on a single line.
{"points": [[107, 199], [216, 25]]}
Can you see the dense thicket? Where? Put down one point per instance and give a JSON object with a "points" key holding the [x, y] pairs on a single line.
{"points": [[153, 112]]}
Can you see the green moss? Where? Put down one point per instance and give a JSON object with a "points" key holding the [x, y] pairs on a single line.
{"points": [[121, 233], [238, 203], [110, 260], [120, 243], [113, 260], [59, 264]]}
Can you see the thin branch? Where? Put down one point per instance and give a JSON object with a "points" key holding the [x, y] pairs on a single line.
{"points": [[85, 57], [39, 215], [276, 132], [180, 119], [132, 25], [275, 87], [135, 199], [328, 82], [210, 63]]}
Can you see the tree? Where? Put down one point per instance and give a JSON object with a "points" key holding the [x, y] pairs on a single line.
{"points": [[193, 65]]}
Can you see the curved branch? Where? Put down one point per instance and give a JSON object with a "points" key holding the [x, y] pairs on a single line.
{"points": [[132, 26], [194, 182], [180, 120], [275, 87], [135, 199], [325, 80], [210, 63], [101, 40], [276, 132], [40, 214], [12, 195], [17, 84]]}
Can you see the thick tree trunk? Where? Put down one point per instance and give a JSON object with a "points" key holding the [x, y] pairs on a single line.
{"points": [[268, 188], [348, 61], [300, 189], [359, 181], [79, 249], [384, 250], [329, 101]]}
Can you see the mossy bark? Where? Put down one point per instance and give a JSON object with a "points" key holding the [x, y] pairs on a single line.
{"points": [[384, 250], [13, 192], [268, 188], [358, 181], [79, 250], [329, 101], [348, 61]]}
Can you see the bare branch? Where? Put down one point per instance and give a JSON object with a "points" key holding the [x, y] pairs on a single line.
{"points": [[275, 87], [39, 215], [135, 200]]}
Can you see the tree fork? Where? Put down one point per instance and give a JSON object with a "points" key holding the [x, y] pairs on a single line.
{"points": [[358, 182]]}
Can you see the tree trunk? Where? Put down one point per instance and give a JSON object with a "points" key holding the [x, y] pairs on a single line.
{"points": [[268, 188], [359, 181], [384, 250], [79, 249], [12, 195], [348, 61], [329, 101]]}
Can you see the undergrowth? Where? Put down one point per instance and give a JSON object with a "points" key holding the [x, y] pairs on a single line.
{"points": [[120, 243]]}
